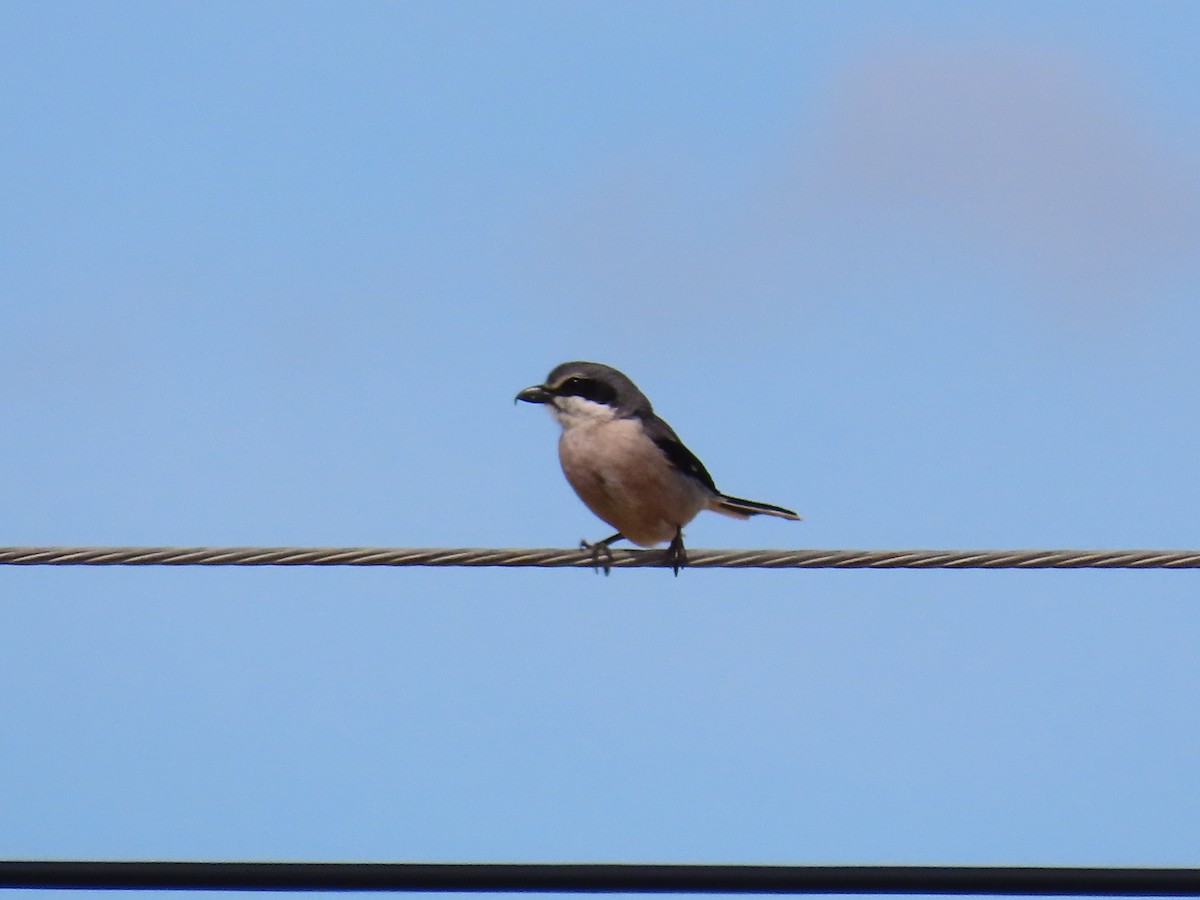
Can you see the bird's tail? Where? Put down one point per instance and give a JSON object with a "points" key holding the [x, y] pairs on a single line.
{"points": [[744, 509]]}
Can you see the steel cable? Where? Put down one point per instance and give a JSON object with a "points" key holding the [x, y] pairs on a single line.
{"points": [[621, 559]]}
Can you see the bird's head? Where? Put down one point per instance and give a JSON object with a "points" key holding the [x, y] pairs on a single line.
{"points": [[581, 392]]}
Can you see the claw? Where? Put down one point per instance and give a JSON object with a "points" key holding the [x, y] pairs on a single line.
{"points": [[601, 549], [676, 555], [598, 550]]}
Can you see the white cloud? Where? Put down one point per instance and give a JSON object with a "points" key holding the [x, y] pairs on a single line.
{"points": [[1023, 163], [1025, 151]]}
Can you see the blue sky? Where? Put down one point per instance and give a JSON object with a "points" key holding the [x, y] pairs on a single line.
{"points": [[272, 273]]}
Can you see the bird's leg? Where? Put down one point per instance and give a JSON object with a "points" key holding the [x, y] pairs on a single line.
{"points": [[676, 556], [600, 549]]}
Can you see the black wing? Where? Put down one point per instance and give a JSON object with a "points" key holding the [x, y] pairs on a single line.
{"points": [[679, 456]]}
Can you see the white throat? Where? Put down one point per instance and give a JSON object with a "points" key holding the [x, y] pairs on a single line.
{"points": [[571, 412]]}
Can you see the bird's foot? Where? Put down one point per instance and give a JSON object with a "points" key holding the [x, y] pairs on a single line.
{"points": [[675, 556], [601, 554]]}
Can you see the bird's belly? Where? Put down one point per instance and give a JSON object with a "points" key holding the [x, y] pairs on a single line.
{"points": [[628, 482]]}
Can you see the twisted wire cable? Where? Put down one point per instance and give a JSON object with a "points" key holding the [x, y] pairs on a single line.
{"points": [[621, 559]]}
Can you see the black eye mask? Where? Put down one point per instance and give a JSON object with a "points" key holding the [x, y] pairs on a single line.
{"points": [[588, 389]]}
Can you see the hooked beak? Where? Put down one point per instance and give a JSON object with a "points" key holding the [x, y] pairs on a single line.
{"points": [[535, 394]]}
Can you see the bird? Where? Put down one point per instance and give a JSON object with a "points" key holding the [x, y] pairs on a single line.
{"points": [[627, 465]]}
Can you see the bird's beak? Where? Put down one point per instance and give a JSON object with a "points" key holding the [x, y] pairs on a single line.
{"points": [[535, 394]]}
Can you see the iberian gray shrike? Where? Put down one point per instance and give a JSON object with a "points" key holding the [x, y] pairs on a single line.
{"points": [[627, 464]]}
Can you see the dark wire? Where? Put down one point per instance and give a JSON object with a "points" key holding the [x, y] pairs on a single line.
{"points": [[600, 878]]}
